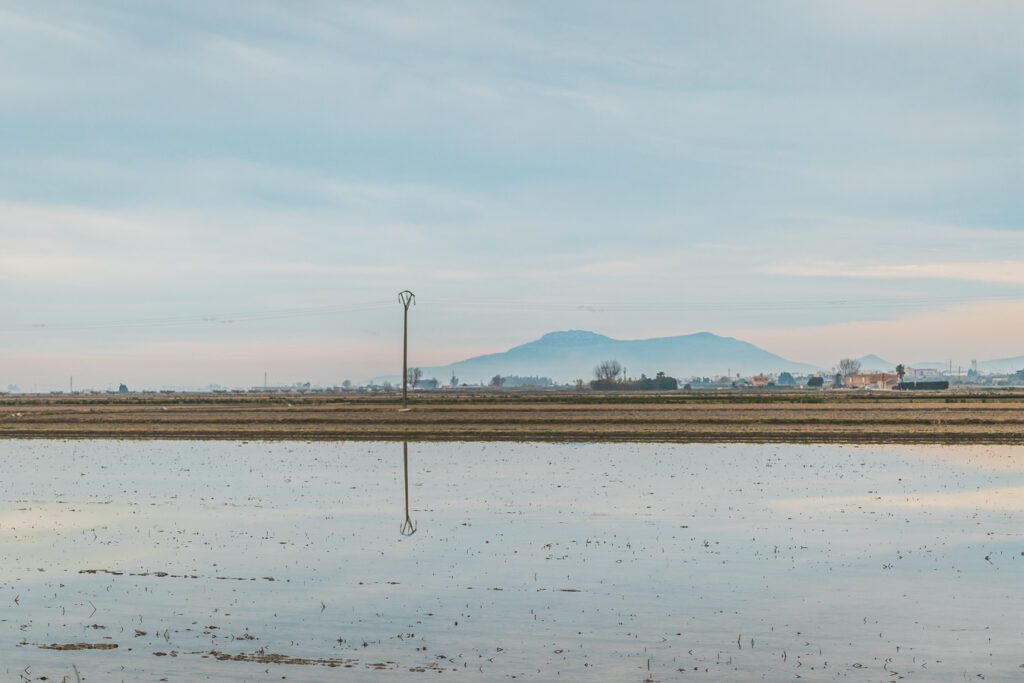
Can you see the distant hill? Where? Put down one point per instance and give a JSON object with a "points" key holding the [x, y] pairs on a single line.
{"points": [[566, 356], [873, 362], [1001, 365]]}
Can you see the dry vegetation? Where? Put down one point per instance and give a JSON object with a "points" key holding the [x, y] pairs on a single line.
{"points": [[944, 417]]}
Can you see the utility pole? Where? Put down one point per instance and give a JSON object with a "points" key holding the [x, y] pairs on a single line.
{"points": [[406, 298]]}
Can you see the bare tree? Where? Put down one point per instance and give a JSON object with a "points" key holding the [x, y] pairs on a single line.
{"points": [[414, 376], [607, 370], [849, 366]]}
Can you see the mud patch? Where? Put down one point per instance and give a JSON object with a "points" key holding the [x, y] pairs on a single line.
{"points": [[161, 575], [78, 646]]}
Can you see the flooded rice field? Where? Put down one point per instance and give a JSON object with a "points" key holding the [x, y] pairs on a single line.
{"points": [[182, 561]]}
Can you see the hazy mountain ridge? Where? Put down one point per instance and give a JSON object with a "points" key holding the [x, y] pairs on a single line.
{"points": [[873, 362], [568, 355], [1001, 365]]}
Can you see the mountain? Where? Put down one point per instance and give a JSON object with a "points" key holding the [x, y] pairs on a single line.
{"points": [[1002, 365], [566, 356], [873, 362]]}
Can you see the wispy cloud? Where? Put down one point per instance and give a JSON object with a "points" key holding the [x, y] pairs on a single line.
{"points": [[22, 219], [1003, 272], [15, 24]]}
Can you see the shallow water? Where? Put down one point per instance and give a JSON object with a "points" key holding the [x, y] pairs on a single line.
{"points": [[533, 561]]}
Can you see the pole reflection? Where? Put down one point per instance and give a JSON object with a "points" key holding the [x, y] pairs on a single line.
{"points": [[408, 527]]}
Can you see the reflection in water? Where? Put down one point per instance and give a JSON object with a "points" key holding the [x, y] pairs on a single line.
{"points": [[408, 528], [227, 561]]}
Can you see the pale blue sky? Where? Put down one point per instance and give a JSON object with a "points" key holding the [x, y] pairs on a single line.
{"points": [[180, 160]]}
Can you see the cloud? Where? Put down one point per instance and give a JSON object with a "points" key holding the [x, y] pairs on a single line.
{"points": [[1004, 272], [49, 266], [15, 24], [23, 219], [268, 267]]}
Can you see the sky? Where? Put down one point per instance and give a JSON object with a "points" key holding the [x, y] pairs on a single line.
{"points": [[196, 193]]}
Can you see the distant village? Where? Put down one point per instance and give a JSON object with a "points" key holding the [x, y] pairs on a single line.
{"points": [[847, 375]]}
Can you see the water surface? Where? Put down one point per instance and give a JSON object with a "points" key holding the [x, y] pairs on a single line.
{"points": [[264, 561]]}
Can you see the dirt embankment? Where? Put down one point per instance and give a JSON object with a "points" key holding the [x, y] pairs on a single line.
{"points": [[981, 417]]}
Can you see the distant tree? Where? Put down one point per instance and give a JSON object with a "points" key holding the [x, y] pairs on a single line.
{"points": [[607, 371], [849, 366], [347, 384], [901, 371], [660, 382], [414, 375], [454, 382], [123, 389], [664, 382], [837, 381], [786, 379], [386, 386], [497, 381], [817, 382], [579, 385]]}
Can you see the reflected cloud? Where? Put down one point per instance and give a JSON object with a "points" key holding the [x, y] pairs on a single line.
{"points": [[986, 458], [1004, 499]]}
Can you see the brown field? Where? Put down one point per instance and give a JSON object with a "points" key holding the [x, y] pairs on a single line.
{"points": [[852, 417]]}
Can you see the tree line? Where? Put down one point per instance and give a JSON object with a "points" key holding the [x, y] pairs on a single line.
{"points": [[609, 375]]}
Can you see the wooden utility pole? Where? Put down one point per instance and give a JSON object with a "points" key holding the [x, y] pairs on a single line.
{"points": [[406, 298]]}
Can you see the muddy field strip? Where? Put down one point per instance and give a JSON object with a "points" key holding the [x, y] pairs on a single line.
{"points": [[982, 417]]}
